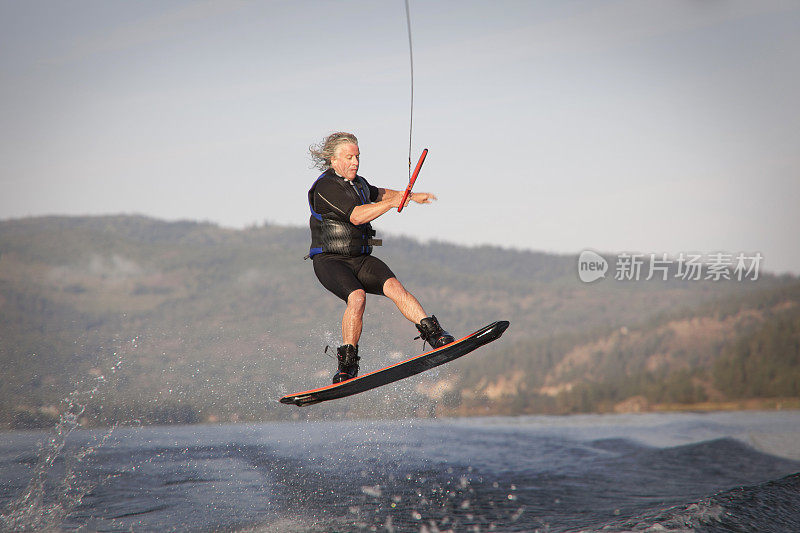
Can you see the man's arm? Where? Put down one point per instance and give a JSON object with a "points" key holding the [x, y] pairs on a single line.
{"points": [[387, 199]]}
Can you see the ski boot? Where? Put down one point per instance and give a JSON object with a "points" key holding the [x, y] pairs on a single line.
{"points": [[348, 363], [431, 332]]}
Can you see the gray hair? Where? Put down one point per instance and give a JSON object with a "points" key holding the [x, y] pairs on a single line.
{"points": [[322, 153]]}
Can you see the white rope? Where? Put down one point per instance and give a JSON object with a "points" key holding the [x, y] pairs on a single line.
{"points": [[411, 57]]}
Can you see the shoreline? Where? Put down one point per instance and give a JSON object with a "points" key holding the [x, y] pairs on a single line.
{"points": [[748, 405]]}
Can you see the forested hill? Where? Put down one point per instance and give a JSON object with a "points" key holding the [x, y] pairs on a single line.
{"points": [[141, 319]]}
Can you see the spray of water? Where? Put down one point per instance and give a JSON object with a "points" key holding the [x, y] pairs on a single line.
{"points": [[43, 504]]}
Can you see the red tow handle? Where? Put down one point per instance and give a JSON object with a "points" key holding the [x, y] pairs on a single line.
{"points": [[412, 180]]}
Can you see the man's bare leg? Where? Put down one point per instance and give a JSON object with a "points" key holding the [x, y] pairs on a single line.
{"points": [[353, 319], [404, 300], [429, 328]]}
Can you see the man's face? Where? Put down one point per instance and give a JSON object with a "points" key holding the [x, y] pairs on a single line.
{"points": [[345, 161]]}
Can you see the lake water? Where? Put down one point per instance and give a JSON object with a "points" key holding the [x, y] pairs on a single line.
{"points": [[649, 472]]}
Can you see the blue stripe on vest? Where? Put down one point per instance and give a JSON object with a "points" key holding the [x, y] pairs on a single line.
{"points": [[310, 202]]}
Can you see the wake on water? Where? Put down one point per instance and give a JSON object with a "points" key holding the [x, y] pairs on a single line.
{"points": [[605, 473], [768, 507]]}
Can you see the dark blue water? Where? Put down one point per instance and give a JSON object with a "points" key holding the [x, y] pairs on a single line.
{"points": [[668, 472]]}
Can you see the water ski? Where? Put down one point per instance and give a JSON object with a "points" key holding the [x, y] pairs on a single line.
{"points": [[401, 370]]}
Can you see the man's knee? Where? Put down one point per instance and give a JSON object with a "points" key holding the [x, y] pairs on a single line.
{"points": [[357, 299], [392, 288]]}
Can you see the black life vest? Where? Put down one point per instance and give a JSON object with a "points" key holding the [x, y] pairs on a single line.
{"points": [[330, 235]]}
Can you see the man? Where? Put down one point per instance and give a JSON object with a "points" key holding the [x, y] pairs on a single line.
{"points": [[342, 206]]}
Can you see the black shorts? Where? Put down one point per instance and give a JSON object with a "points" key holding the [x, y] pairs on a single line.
{"points": [[343, 274]]}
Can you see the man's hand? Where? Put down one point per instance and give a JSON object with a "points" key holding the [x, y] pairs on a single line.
{"points": [[422, 197]]}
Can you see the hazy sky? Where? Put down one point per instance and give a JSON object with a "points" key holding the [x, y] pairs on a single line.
{"points": [[660, 126]]}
